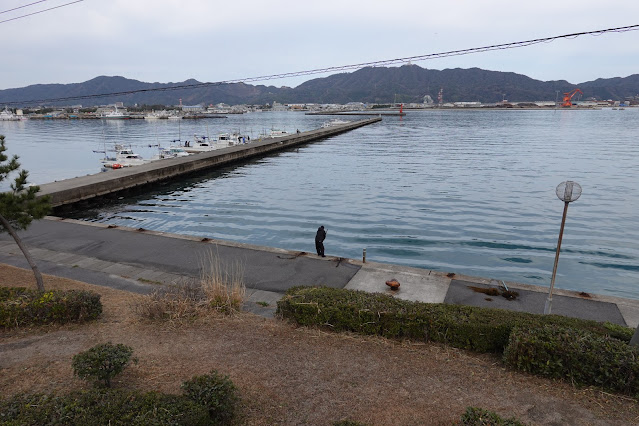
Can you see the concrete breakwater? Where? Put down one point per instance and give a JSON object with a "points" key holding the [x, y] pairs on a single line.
{"points": [[360, 113], [100, 184]]}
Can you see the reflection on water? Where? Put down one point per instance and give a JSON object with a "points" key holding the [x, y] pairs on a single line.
{"points": [[465, 191]]}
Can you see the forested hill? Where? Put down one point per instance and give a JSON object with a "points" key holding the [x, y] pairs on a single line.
{"points": [[408, 83]]}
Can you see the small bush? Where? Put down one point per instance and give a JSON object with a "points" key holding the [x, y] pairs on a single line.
{"points": [[27, 307], [103, 407], [465, 327], [216, 392], [102, 362], [474, 416], [578, 356]]}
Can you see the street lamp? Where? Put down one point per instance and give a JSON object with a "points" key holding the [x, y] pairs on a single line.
{"points": [[566, 191]]}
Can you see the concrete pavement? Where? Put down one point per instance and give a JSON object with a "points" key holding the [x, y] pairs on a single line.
{"points": [[138, 260]]}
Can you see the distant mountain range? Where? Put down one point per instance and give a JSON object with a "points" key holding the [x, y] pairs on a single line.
{"points": [[408, 83]]}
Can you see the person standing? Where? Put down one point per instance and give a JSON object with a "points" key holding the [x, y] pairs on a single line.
{"points": [[319, 241]]}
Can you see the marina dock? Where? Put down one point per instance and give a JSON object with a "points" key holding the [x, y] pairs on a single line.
{"points": [[82, 188]]}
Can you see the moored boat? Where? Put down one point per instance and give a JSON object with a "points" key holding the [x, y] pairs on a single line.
{"points": [[199, 144], [124, 157], [334, 122], [115, 115], [6, 115], [170, 152]]}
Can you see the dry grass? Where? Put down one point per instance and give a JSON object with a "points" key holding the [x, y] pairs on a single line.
{"points": [[289, 375], [220, 289], [179, 303], [222, 284]]}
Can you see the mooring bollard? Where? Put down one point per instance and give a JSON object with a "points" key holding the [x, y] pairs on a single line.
{"points": [[364, 256]]}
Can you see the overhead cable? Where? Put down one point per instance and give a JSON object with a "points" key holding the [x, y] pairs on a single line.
{"points": [[385, 62], [21, 7], [40, 11]]}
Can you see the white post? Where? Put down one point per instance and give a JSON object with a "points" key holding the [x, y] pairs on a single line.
{"points": [[548, 306]]}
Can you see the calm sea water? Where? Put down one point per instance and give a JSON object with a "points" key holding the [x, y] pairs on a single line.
{"points": [[470, 192]]}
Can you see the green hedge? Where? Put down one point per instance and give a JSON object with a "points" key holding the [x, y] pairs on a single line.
{"points": [[216, 392], [466, 327], [207, 399], [578, 356], [102, 362], [25, 307], [103, 407]]}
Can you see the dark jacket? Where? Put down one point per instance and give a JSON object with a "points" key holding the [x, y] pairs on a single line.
{"points": [[321, 234]]}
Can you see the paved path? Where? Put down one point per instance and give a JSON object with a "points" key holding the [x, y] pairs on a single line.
{"points": [[140, 260]]}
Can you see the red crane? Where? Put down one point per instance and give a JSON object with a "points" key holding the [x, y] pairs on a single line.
{"points": [[568, 97]]}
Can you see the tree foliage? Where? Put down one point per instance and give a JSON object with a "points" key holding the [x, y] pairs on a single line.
{"points": [[20, 205]]}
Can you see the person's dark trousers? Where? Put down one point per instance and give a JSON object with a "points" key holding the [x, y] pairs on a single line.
{"points": [[319, 246]]}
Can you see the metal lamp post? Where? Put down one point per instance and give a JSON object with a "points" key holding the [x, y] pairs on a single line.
{"points": [[566, 191]]}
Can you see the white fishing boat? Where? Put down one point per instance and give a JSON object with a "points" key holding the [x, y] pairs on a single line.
{"points": [[230, 139], [273, 133], [223, 140], [157, 115], [124, 157], [170, 152], [115, 115], [6, 115], [334, 122], [199, 144]]}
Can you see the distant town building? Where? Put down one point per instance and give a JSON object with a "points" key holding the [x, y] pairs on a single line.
{"points": [[428, 100], [278, 107], [356, 106], [192, 108], [467, 104]]}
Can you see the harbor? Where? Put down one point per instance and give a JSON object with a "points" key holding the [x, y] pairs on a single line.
{"points": [[470, 192], [100, 184]]}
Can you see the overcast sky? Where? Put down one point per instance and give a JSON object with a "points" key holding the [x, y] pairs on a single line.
{"points": [[174, 40]]}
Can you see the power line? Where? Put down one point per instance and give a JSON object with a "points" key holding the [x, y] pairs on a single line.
{"points": [[40, 11], [20, 7], [384, 62]]}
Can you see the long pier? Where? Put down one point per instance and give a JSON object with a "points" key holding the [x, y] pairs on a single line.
{"points": [[360, 113], [82, 188]]}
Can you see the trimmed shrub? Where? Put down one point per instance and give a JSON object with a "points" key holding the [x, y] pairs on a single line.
{"points": [[466, 327], [94, 407], [578, 356], [102, 362], [216, 392], [27, 307], [474, 416]]}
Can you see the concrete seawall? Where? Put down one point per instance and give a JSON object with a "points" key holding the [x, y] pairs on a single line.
{"points": [[86, 187], [140, 260]]}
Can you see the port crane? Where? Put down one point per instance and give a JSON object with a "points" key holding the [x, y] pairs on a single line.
{"points": [[568, 97]]}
